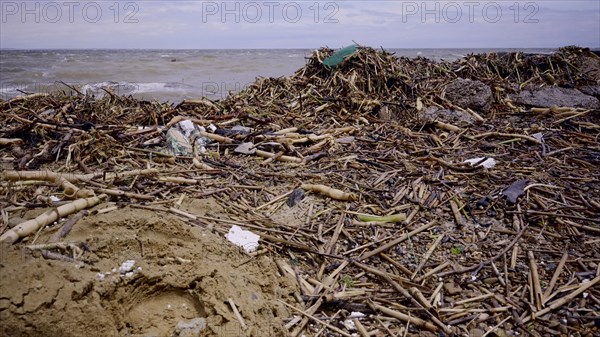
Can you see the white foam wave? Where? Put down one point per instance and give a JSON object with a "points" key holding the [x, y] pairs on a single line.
{"points": [[130, 88]]}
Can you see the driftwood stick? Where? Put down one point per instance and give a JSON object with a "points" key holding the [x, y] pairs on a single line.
{"points": [[329, 191], [237, 314], [535, 280], [59, 257], [329, 326], [403, 317], [404, 293], [311, 310], [397, 241], [66, 228], [71, 177], [560, 302], [557, 273], [8, 141], [360, 328], [275, 156], [274, 200], [507, 135], [124, 194], [427, 255], [478, 267], [31, 226]]}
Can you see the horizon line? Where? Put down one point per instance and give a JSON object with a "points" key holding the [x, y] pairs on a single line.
{"points": [[289, 48]]}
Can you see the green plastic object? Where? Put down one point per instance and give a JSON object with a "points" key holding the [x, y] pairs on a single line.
{"points": [[339, 56]]}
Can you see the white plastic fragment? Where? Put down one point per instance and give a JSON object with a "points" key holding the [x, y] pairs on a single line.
{"points": [[245, 148], [349, 324], [187, 126], [190, 328], [184, 139], [126, 266], [243, 238], [488, 163], [240, 128], [357, 314], [54, 198]]}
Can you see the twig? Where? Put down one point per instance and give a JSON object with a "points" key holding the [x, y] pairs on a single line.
{"points": [[329, 326], [360, 328], [404, 292], [403, 317], [237, 314], [557, 273], [427, 255], [397, 241], [478, 267], [490, 330], [274, 200], [535, 280], [31, 226], [559, 303], [66, 228], [507, 135]]}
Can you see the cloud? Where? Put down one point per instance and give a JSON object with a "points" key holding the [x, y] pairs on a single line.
{"points": [[302, 24]]}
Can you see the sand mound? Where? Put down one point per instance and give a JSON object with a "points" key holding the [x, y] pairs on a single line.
{"points": [[181, 273]]}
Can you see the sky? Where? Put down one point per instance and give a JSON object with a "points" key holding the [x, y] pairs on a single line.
{"points": [[160, 24]]}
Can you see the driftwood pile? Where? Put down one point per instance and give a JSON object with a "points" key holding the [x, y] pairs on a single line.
{"points": [[371, 156]]}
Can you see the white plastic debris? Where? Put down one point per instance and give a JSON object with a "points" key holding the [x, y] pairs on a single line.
{"points": [[357, 314], [190, 328], [54, 198], [126, 266], [245, 148], [184, 138], [243, 238], [187, 126], [349, 324], [100, 276], [488, 163], [241, 128]]}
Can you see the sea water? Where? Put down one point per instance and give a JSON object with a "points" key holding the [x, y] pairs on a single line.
{"points": [[165, 75]]}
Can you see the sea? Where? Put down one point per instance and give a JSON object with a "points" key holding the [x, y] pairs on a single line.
{"points": [[166, 75]]}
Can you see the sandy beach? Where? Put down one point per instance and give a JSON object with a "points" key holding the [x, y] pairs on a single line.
{"points": [[393, 196]]}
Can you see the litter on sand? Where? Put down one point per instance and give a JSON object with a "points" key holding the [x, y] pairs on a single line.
{"points": [[488, 163], [243, 238]]}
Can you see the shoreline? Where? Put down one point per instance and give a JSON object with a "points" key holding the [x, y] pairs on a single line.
{"points": [[203, 72]]}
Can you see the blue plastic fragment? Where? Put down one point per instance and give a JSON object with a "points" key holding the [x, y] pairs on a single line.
{"points": [[339, 56]]}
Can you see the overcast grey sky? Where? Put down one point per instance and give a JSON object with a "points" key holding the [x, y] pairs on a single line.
{"points": [[298, 24]]}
